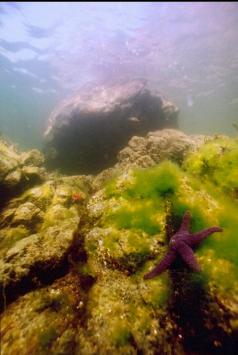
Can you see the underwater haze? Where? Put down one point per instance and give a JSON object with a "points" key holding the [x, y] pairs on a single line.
{"points": [[118, 178], [49, 50]]}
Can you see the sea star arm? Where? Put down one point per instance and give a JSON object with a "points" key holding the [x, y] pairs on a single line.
{"points": [[163, 265], [188, 256], [185, 222], [196, 238]]}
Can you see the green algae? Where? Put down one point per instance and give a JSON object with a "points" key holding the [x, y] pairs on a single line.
{"points": [[180, 206], [225, 246], [208, 206], [158, 181], [146, 189], [138, 215], [145, 192], [123, 309], [217, 254], [216, 161]]}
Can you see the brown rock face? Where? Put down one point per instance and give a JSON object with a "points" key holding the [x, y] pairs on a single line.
{"points": [[86, 132]]}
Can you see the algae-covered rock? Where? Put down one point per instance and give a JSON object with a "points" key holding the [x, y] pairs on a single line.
{"points": [[33, 174], [217, 162], [9, 236], [9, 159], [204, 306], [123, 250], [18, 170], [32, 158], [44, 320], [41, 196], [155, 147], [49, 218], [78, 248], [126, 315], [35, 259], [12, 179], [27, 213], [158, 146]]}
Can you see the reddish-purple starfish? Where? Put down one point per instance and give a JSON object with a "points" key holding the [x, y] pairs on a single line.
{"points": [[181, 243]]}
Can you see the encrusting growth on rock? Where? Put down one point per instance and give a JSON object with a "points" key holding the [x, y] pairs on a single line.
{"points": [[181, 243]]}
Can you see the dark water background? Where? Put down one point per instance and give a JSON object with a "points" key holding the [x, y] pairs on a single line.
{"points": [[189, 51]]}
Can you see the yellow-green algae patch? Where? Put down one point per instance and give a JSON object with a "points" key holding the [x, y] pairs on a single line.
{"points": [[158, 181], [139, 207], [145, 193], [124, 312], [220, 255], [207, 206], [217, 162], [217, 254], [137, 214]]}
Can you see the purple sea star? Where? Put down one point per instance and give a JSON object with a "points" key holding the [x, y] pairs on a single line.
{"points": [[181, 243]]}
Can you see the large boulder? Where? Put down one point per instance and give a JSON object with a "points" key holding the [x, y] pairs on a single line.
{"points": [[86, 132]]}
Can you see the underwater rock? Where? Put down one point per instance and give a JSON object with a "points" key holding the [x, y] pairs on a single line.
{"points": [[32, 158], [157, 146], [45, 319], [204, 306], [35, 259], [13, 179], [27, 214], [126, 316], [18, 170], [9, 159], [74, 251], [86, 132], [217, 162], [38, 234]]}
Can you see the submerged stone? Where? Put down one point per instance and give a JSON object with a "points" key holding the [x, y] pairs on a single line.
{"points": [[86, 132], [18, 170], [44, 320]]}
